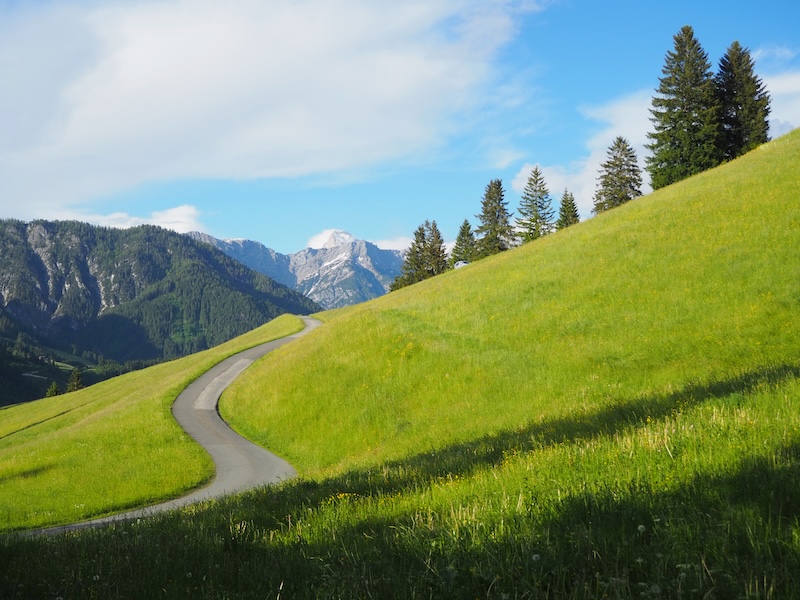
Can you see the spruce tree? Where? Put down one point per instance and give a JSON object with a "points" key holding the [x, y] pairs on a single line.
{"points": [[435, 250], [413, 268], [465, 248], [75, 382], [495, 232], [686, 115], [535, 208], [426, 257], [567, 212], [53, 390], [744, 101], [620, 178]]}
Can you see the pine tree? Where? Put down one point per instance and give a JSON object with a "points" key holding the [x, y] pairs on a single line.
{"points": [[535, 209], [465, 248], [686, 115], [620, 178], [495, 231], [53, 390], [567, 212], [426, 257], [75, 382], [413, 267], [435, 250], [745, 103]]}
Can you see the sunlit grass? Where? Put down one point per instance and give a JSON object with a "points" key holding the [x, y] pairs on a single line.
{"points": [[610, 412], [690, 285], [110, 446]]}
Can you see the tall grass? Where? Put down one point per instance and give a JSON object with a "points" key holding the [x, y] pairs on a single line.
{"points": [[108, 447]]}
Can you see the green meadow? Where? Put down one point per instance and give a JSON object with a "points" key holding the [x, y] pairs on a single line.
{"points": [[612, 411], [108, 447]]}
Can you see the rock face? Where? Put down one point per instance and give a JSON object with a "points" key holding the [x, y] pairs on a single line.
{"points": [[344, 271]]}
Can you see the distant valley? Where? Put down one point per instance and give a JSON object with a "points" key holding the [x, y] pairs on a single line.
{"points": [[344, 271]]}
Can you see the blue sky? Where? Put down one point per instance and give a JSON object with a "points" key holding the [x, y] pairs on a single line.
{"points": [[276, 120]]}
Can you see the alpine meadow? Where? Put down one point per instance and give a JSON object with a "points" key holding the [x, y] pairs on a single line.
{"points": [[609, 411]]}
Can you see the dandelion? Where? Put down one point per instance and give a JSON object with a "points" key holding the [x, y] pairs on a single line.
{"points": [[96, 577], [642, 528], [536, 558], [189, 575]]}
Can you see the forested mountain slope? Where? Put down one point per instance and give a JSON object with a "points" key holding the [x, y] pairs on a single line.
{"points": [[144, 293]]}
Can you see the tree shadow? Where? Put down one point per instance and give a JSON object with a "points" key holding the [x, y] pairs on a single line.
{"points": [[466, 458], [26, 474]]}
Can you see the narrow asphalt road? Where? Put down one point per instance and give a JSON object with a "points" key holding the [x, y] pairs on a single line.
{"points": [[239, 464]]}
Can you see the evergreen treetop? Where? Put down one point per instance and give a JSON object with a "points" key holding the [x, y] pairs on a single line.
{"points": [[535, 209], [567, 212], [465, 248], [686, 115], [495, 233], [745, 103], [426, 257], [620, 178]]}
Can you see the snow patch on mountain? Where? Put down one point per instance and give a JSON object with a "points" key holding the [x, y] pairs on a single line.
{"points": [[343, 271]]}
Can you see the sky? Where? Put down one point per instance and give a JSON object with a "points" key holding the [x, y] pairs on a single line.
{"points": [[280, 120]]}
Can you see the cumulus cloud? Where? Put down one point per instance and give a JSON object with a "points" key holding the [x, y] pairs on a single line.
{"points": [[398, 243], [627, 116], [182, 219], [784, 91], [113, 95]]}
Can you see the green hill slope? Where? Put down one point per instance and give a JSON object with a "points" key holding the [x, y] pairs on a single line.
{"points": [[609, 412], [693, 286], [108, 447]]}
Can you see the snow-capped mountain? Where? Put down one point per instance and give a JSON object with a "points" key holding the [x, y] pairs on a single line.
{"points": [[344, 271]]}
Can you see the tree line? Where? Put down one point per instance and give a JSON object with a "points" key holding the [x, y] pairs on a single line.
{"points": [[700, 120]]}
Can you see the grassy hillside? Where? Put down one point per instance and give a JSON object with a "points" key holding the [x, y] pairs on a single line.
{"points": [[108, 447], [609, 412], [693, 287]]}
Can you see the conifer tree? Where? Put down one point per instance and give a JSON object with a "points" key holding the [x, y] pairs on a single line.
{"points": [[535, 208], [685, 114], [413, 267], [620, 178], [465, 248], [426, 257], [567, 212], [435, 250], [75, 382], [745, 103], [495, 232], [53, 390]]}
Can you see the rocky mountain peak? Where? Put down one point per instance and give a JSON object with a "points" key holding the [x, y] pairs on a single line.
{"points": [[338, 238]]}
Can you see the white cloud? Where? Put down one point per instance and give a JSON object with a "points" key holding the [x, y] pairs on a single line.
{"points": [[398, 243], [774, 53], [784, 91], [318, 240], [112, 95], [182, 219], [628, 117]]}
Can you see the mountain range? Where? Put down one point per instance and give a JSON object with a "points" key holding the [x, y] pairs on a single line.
{"points": [[344, 271], [85, 295]]}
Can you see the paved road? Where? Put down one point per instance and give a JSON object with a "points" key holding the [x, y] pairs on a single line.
{"points": [[239, 464]]}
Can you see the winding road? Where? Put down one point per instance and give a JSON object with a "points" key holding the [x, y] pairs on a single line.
{"points": [[239, 464]]}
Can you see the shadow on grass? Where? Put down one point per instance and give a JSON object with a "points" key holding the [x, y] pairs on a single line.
{"points": [[463, 459], [714, 537], [25, 474]]}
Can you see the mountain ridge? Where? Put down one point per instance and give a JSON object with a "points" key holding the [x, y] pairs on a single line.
{"points": [[343, 272]]}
